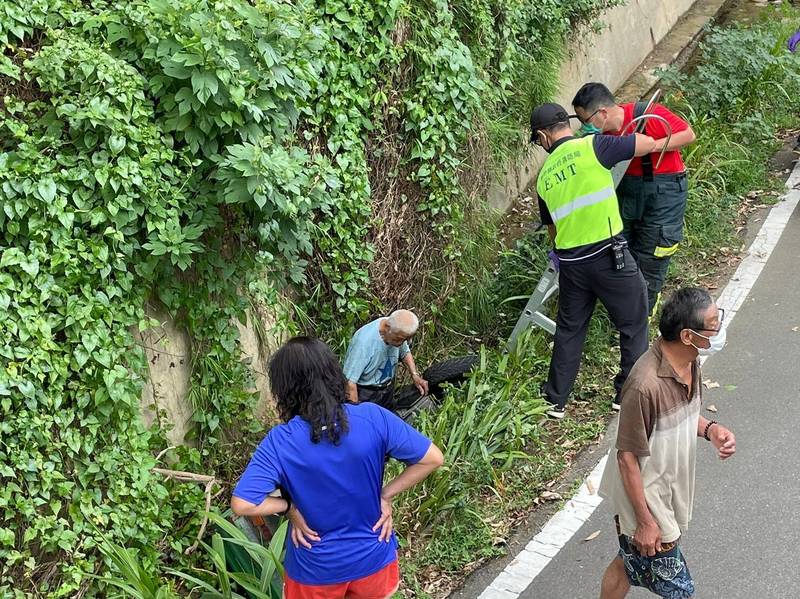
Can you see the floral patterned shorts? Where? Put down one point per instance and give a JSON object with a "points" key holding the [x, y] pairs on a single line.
{"points": [[664, 573]]}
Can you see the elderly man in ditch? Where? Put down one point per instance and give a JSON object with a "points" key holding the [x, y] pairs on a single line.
{"points": [[372, 358]]}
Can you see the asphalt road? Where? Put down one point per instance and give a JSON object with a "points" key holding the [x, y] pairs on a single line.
{"points": [[741, 542]]}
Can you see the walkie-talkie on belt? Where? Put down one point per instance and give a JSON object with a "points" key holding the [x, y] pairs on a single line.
{"points": [[617, 249]]}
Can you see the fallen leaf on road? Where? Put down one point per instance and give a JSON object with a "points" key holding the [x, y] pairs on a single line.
{"points": [[590, 486], [796, 329], [550, 496], [730, 387], [709, 384], [712, 408], [592, 536]]}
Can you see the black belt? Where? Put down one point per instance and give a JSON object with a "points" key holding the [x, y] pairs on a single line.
{"points": [[380, 387], [671, 177], [661, 177]]}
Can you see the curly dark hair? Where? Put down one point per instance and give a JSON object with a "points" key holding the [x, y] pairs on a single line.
{"points": [[307, 381]]}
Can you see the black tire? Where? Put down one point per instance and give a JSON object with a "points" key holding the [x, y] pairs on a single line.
{"points": [[405, 396], [450, 371]]}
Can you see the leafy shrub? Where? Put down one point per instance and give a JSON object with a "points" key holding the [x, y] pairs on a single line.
{"points": [[194, 154], [482, 430], [745, 87]]}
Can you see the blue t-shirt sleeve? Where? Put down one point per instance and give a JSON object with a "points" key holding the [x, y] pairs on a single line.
{"points": [[403, 442], [612, 149], [262, 475], [356, 360], [404, 349]]}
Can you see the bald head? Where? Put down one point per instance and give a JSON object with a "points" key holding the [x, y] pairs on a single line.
{"points": [[403, 323]]}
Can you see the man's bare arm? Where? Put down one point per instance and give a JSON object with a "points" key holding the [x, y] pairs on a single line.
{"points": [[677, 141], [648, 533], [646, 145], [721, 438], [419, 382], [352, 391]]}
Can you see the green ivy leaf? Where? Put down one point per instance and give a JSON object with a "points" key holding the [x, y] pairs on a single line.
{"points": [[30, 265], [47, 189], [81, 356], [116, 143]]}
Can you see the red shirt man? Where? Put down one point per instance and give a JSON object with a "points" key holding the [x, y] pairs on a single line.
{"points": [[652, 200], [672, 163]]}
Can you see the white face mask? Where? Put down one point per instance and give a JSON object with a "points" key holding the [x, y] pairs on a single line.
{"points": [[717, 342]]}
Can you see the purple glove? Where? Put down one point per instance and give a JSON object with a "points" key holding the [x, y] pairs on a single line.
{"points": [[554, 259], [793, 41]]}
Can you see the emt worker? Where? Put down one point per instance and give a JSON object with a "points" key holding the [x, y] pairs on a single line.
{"points": [[578, 203]]}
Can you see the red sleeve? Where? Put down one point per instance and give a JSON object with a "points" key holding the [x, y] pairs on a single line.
{"points": [[656, 129]]}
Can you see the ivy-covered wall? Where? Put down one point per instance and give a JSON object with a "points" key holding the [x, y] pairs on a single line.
{"points": [[214, 157]]}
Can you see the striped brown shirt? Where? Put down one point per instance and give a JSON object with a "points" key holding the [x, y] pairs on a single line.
{"points": [[658, 423]]}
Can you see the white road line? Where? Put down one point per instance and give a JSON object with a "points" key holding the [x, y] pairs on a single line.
{"points": [[737, 289], [526, 566]]}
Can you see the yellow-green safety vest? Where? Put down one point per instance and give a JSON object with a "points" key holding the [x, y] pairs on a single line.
{"points": [[579, 194]]}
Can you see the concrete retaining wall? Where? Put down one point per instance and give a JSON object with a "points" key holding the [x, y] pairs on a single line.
{"points": [[168, 350], [610, 56]]}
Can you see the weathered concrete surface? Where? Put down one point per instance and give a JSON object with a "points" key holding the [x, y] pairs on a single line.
{"points": [[168, 349], [164, 398], [256, 349]]}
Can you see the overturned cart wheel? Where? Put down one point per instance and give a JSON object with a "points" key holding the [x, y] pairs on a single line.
{"points": [[409, 401]]}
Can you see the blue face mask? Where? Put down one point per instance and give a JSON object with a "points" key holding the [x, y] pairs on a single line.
{"points": [[588, 129]]}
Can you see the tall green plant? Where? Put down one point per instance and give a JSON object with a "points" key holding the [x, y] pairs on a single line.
{"points": [[134, 579], [482, 429], [264, 584]]}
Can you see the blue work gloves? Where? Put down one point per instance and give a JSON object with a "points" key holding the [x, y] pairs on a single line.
{"points": [[793, 42], [554, 259]]}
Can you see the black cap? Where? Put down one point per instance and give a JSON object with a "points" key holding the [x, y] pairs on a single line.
{"points": [[547, 115]]}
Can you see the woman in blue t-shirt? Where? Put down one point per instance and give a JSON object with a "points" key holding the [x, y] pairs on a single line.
{"points": [[328, 457]]}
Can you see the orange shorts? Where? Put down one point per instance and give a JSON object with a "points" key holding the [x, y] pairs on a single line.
{"points": [[379, 585]]}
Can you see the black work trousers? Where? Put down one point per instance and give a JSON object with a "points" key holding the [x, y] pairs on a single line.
{"points": [[383, 395], [652, 213], [623, 293]]}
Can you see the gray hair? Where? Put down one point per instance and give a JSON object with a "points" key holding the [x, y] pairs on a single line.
{"points": [[683, 310], [403, 322]]}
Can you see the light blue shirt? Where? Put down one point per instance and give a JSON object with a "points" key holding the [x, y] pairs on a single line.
{"points": [[370, 361]]}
